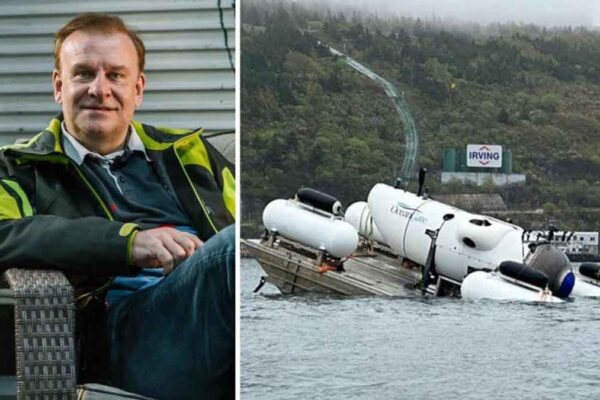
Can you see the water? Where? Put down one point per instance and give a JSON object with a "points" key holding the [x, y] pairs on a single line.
{"points": [[324, 347]]}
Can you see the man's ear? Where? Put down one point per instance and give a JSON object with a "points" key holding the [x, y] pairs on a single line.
{"points": [[140, 86], [57, 86]]}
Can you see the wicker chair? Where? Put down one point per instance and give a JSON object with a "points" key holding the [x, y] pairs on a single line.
{"points": [[44, 334], [44, 340]]}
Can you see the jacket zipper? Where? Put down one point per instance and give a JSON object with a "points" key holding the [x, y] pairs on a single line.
{"points": [[202, 205], [91, 188], [89, 295]]}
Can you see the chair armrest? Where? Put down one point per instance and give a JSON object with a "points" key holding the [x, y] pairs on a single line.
{"points": [[44, 334]]}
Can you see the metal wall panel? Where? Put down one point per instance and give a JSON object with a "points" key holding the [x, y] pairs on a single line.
{"points": [[191, 82]]}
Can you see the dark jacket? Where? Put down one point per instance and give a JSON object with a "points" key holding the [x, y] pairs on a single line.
{"points": [[52, 217]]}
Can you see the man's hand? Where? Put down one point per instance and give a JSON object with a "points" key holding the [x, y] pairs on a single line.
{"points": [[163, 247]]}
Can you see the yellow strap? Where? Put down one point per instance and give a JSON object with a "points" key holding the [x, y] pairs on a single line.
{"points": [[152, 144], [192, 151], [9, 208], [27, 209], [229, 191]]}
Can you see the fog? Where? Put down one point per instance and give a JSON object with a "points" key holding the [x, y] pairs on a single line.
{"points": [[549, 13]]}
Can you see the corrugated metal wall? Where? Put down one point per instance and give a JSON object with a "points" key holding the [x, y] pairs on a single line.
{"points": [[191, 82]]}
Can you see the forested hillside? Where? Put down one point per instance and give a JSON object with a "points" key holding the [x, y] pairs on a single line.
{"points": [[308, 119]]}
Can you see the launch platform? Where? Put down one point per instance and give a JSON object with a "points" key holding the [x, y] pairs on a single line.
{"points": [[295, 268]]}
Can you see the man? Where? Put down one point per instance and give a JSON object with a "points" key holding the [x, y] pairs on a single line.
{"points": [[104, 198]]}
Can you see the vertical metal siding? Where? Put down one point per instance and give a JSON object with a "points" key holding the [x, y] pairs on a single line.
{"points": [[190, 77]]}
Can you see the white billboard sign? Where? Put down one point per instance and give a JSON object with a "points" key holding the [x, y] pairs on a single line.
{"points": [[484, 155]]}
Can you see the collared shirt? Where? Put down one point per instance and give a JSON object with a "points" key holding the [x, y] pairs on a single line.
{"points": [[128, 181], [77, 152]]}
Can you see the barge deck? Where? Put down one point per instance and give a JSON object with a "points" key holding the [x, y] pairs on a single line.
{"points": [[295, 268]]}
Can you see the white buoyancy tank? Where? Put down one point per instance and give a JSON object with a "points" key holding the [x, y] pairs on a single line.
{"points": [[483, 285], [293, 221], [587, 282], [359, 216], [464, 241], [585, 288]]}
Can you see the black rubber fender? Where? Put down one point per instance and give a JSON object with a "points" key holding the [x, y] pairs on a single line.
{"points": [[522, 272], [591, 270]]}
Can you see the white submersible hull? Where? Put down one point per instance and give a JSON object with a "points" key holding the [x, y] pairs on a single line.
{"points": [[467, 248], [465, 242]]}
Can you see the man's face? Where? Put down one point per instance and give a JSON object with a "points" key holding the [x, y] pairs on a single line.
{"points": [[99, 87]]}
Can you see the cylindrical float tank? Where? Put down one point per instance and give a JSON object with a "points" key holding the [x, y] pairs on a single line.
{"points": [[506, 162], [449, 160], [461, 157], [359, 216], [293, 221], [465, 241], [590, 270], [584, 288], [483, 285], [587, 281]]}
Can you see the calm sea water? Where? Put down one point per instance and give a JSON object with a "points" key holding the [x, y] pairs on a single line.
{"points": [[324, 347]]}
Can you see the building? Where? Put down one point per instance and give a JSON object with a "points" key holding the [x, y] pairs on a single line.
{"points": [[189, 62], [480, 164], [569, 242]]}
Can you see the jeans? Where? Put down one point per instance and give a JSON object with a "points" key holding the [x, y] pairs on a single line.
{"points": [[176, 340]]}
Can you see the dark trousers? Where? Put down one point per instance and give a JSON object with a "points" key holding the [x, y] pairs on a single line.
{"points": [[176, 340]]}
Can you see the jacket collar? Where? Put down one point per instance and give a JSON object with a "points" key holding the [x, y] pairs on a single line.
{"points": [[78, 152], [49, 141]]}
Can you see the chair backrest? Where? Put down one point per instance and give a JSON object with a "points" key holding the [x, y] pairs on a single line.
{"points": [[224, 142]]}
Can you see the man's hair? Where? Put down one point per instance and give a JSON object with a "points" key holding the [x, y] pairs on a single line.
{"points": [[98, 23]]}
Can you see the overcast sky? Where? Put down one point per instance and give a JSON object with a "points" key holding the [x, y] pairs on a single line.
{"points": [[539, 12]]}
